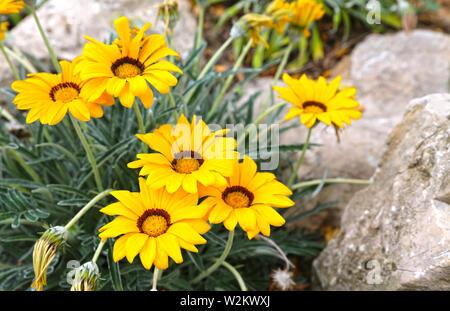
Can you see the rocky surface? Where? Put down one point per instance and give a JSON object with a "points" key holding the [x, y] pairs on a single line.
{"points": [[66, 22], [395, 233]]}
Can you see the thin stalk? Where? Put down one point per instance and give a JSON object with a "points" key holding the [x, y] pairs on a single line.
{"points": [[83, 211], [259, 119], [198, 39], [98, 251], [215, 57], [89, 153], [25, 166], [139, 118], [267, 112], [8, 60], [219, 261], [208, 66], [22, 222], [17, 55], [278, 73], [225, 87], [332, 181], [155, 279], [140, 123], [237, 275], [300, 159], [275, 245], [47, 43], [173, 105], [4, 113]]}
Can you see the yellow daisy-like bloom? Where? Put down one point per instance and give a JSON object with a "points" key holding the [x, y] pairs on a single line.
{"points": [[3, 30], [280, 12], [304, 12], [247, 198], [48, 97], [186, 155], [124, 68], [11, 6], [318, 100], [155, 225]]}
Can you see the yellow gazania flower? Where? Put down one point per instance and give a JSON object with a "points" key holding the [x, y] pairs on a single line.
{"points": [[124, 68], [280, 12], [247, 199], [304, 12], [3, 30], [11, 6], [319, 100], [155, 225], [49, 97], [187, 154]]}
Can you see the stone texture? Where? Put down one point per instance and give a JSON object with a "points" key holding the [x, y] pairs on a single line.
{"points": [[66, 22], [395, 233]]}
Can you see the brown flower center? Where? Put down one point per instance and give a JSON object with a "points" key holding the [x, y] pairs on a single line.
{"points": [[238, 197], [127, 67], [154, 222], [314, 107], [65, 92], [186, 162]]}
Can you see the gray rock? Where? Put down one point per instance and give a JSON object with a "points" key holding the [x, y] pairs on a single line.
{"points": [[66, 22], [395, 233]]}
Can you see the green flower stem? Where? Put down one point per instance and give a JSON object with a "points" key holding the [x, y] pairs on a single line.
{"points": [[155, 279], [215, 57], [278, 248], [4, 113], [267, 112], [332, 181], [17, 55], [300, 159], [208, 66], [83, 211], [278, 73], [140, 123], [8, 60], [225, 87], [89, 153], [47, 43], [236, 274], [219, 261], [22, 222], [98, 251], [173, 105], [259, 119], [139, 118], [198, 39], [25, 166]]}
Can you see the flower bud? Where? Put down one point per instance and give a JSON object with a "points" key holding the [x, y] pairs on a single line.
{"points": [[86, 277], [168, 13], [44, 252]]}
